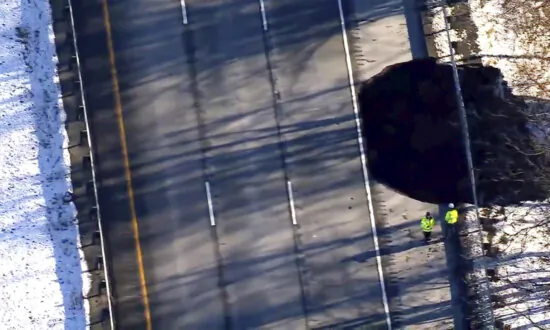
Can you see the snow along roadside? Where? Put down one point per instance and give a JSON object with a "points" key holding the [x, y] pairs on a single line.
{"points": [[522, 263], [41, 281], [520, 243]]}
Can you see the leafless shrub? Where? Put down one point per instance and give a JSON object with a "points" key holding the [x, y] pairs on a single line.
{"points": [[523, 283]]}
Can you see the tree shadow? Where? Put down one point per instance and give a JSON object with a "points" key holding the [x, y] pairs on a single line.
{"points": [[50, 134], [183, 127]]}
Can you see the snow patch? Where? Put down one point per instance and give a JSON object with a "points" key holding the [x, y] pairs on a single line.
{"points": [[522, 263], [40, 277], [514, 37], [440, 39]]}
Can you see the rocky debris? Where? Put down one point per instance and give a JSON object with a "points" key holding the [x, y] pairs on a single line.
{"points": [[414, 136]]}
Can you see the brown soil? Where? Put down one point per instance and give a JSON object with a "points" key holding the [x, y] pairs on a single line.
{"points": [[414, 136]]}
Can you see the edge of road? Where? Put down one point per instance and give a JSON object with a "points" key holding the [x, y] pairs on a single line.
{"points": [[362, 147], [420, 48], [127, 171], [352, 19], [85, 191], [92, 165]]}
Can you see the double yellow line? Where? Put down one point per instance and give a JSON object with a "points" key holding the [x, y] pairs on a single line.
{"points": [[127, 172]]}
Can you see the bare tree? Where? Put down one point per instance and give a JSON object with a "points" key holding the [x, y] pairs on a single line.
{"points": [[513, 159], [529, 22], [522, 275], [511, 162]]}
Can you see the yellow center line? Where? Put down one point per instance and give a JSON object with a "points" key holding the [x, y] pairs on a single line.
{"points": [[127, 173]]}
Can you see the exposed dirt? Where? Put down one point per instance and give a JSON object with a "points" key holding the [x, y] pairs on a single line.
{"points": [[414, 137]]}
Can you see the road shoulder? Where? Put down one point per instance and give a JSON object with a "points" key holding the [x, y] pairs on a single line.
{"points": [[93, 274], [416, 275]]}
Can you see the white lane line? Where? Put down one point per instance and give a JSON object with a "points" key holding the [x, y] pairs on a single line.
{"points": [[184, 11], [264, 17], [291, 200], [364, 166], [210, 206]]}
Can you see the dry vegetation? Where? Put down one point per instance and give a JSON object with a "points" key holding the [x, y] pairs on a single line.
{"points": [[520, 263], [514, 36], [528, 22]]}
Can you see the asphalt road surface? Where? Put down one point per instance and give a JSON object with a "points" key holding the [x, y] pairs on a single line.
{"points": [[256, 114], [322, 157], [244, 166]]}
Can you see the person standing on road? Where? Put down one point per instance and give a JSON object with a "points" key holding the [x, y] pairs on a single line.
{"points": [[451, 218], [427, 223]]}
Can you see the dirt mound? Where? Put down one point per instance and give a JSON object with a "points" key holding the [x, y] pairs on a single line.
{"points": [[414, 137]]}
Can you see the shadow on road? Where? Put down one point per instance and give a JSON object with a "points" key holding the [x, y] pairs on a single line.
{"points": [[154, 57]]}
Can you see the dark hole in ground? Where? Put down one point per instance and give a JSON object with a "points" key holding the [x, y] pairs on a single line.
{"points": [[414, 137]]}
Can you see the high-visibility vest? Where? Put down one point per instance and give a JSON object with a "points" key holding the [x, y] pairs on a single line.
{"points": [[451, 217], [427, 224]]}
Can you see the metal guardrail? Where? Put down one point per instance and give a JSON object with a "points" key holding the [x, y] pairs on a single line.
{"points": [[69, 6], [482, 308]]}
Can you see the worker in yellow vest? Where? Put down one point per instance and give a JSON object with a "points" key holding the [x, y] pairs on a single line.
{"points": [[427, 223], [451, 218]]}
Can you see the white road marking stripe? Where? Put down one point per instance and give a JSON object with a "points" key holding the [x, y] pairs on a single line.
{"points": [[210, 206], [184, 11], [264, 17], [364, 166], [291, 200]]}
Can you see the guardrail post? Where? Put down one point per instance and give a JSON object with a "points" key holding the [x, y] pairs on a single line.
{"points": [[82, 151]]}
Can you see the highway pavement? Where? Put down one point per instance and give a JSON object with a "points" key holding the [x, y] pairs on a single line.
{"points": [[177, 266], [260, 111], [323, 161], [113, 192], [179, 251], [244, 166]]}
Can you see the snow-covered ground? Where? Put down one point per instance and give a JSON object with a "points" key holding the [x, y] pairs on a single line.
{"points": [[40, 269], [522, 263], [514, 36]]}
